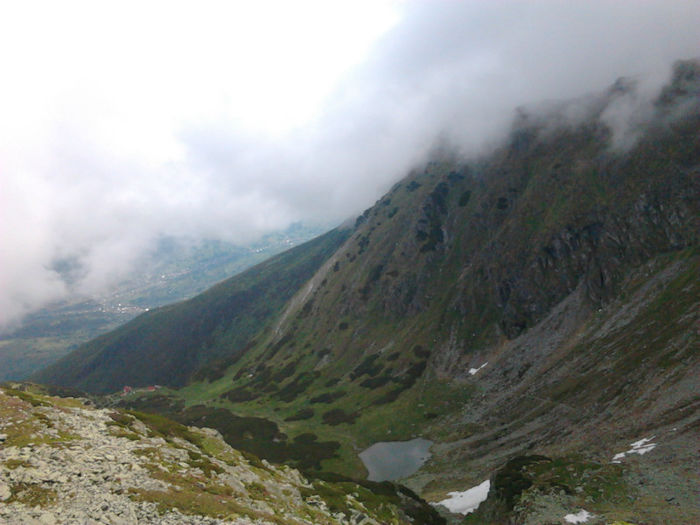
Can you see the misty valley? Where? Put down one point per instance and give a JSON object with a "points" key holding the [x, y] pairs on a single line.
{"points": [[508, 335]]}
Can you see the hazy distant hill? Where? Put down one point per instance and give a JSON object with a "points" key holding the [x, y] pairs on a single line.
{"points": [[533, 312], [177, 269], [166, 345]]}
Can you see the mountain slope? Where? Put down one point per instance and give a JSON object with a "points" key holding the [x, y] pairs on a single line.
{"points": [[533, 312], [461, 259], [166, 345], [566, 268]]}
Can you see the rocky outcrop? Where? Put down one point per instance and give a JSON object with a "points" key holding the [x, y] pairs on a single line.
{"points": [[64, 462]]}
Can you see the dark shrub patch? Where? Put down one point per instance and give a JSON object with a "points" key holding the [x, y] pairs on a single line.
{"points": [[328, 397], [434, 208], [309, 454], [464, 198], [332, 382], [121, 419], [363, 242], [234, 428], [343, 326], [434, 237], [502, 203], [393, 357], [253, 459], [389, 397], [276, 347], [413, 373], [157, 403], [304, 413], [167, 428], [286, 372], [375, 382], [393, 212], [297, 386], [376, 273], [260, 374], [413, 186], [421, 352], [364, 292], [367, 366], [454, 176], [338, 416], [308, 306], [262, 437], [439, 197], [240, 394], [261, 379], [510, 481], [306, 437]]}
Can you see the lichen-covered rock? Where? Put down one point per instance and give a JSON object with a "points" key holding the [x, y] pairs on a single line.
{"points": [[63, 462]]}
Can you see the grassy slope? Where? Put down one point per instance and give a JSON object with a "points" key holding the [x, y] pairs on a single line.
{"points": [[623, 373], [516, 261], [168, 344], [548, 261]]}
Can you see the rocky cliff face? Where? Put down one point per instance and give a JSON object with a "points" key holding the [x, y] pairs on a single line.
{"points": [[541, 299], [64, 462], [540, 302], [460, 259]]}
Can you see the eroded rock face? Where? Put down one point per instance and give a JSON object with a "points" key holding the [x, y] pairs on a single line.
{"points": [[62, 462]]}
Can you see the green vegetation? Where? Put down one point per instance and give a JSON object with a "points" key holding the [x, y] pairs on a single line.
{"points": [[382, 499], [32, 494], [564, 269], [524, 481]]}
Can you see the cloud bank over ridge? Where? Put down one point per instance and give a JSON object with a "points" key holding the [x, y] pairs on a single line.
{"points": [[123, 124]]}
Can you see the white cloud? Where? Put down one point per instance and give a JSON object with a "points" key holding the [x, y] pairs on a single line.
{"points": [[128, 120]]}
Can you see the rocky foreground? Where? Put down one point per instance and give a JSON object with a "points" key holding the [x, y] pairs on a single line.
{"points": [[62, 461]]}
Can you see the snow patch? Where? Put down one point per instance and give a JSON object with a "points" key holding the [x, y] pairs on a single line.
{"points": [[473, 371], [581, 516], [640, 447], [467, 501]]}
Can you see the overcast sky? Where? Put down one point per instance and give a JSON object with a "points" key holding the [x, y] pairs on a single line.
{"points": [[123, 121]]}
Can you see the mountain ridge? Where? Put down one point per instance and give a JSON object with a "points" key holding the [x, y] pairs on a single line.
{"points": [[539, 302]]}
